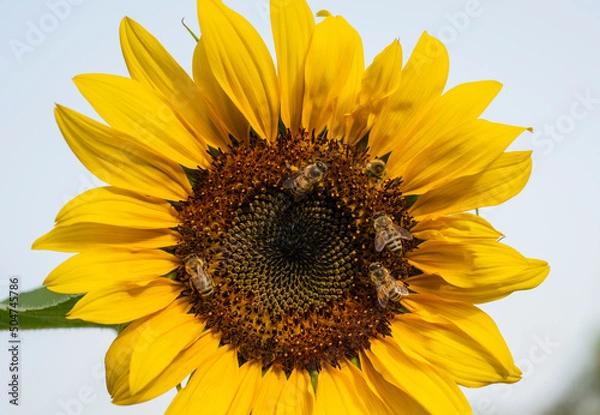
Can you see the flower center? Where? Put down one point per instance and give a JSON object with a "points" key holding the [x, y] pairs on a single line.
{"points": [[292, 256], [285, 237]]}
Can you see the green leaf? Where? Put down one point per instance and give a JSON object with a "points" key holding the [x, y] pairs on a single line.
{"points": [[40, 309]]}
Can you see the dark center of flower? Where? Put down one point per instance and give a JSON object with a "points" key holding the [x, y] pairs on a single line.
{"points": [[285, 232], [300, 253]]}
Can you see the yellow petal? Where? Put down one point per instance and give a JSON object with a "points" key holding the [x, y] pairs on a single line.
{"points": [[149, 63], [348, 96], [131, 107], [121, 160], [173, 375], [118, 358], [467, 150], [533, 276], [382, 77], [166, 334], [246, 395], [213, 386], [98, 270], [125, 303], [461, 105], [118, 361], [333, 45], [221, 108], [380, 80], [344, 391], [297, 396], [473, 325], [455, 228], [118, 207], [267, 396], [293, 24], [388, 392], [431, 388], [281, 396], [472, 264], [241, 64], [502, 180], [422, 81], [448, 348], [81, 237]]}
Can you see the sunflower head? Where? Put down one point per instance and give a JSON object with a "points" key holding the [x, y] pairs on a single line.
{"points": [[298, 238]]}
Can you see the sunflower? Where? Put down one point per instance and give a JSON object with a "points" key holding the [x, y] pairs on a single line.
{"points": [[293, 239]]}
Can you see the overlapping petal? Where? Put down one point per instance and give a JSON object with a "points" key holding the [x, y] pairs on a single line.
{"points": [[460, 105], [532, 276], [467, 150], [422, 82], [455, 228], [149, 63], [393, 396], [118, 361], [125, 303], [339, 395], [469, 320], [241, 64], [206, 391], [99, 269], [121, 160], [333, 57], [220, 107], [129, 106], [463, 357], [85, 236], [430, 387], [118, 207], [502, 180], [293, 24], [379, 81], [473, 264], [162, 342]]}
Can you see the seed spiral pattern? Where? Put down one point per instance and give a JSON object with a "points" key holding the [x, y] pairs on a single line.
{"points": [[301, 251]]}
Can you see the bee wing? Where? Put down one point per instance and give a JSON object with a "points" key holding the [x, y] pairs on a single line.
{"points": [[402, 289], [380, 240], [289, 182], [404, 234], [382, 297]]}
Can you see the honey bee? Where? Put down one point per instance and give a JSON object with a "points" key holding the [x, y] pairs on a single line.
{"points": [[303, 181], [375, 171], [386, 286], [388, 233], [203, 282]]}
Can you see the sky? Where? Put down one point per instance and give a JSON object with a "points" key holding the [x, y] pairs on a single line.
{"points": [[545, 52]]}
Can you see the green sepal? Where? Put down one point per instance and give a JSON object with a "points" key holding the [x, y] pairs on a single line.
{"points": [[314, 379], [385, 157], [411, 199], [41, 309]]}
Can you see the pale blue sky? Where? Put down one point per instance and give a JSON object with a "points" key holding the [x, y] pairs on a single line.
{"points": [[547, 54]]}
